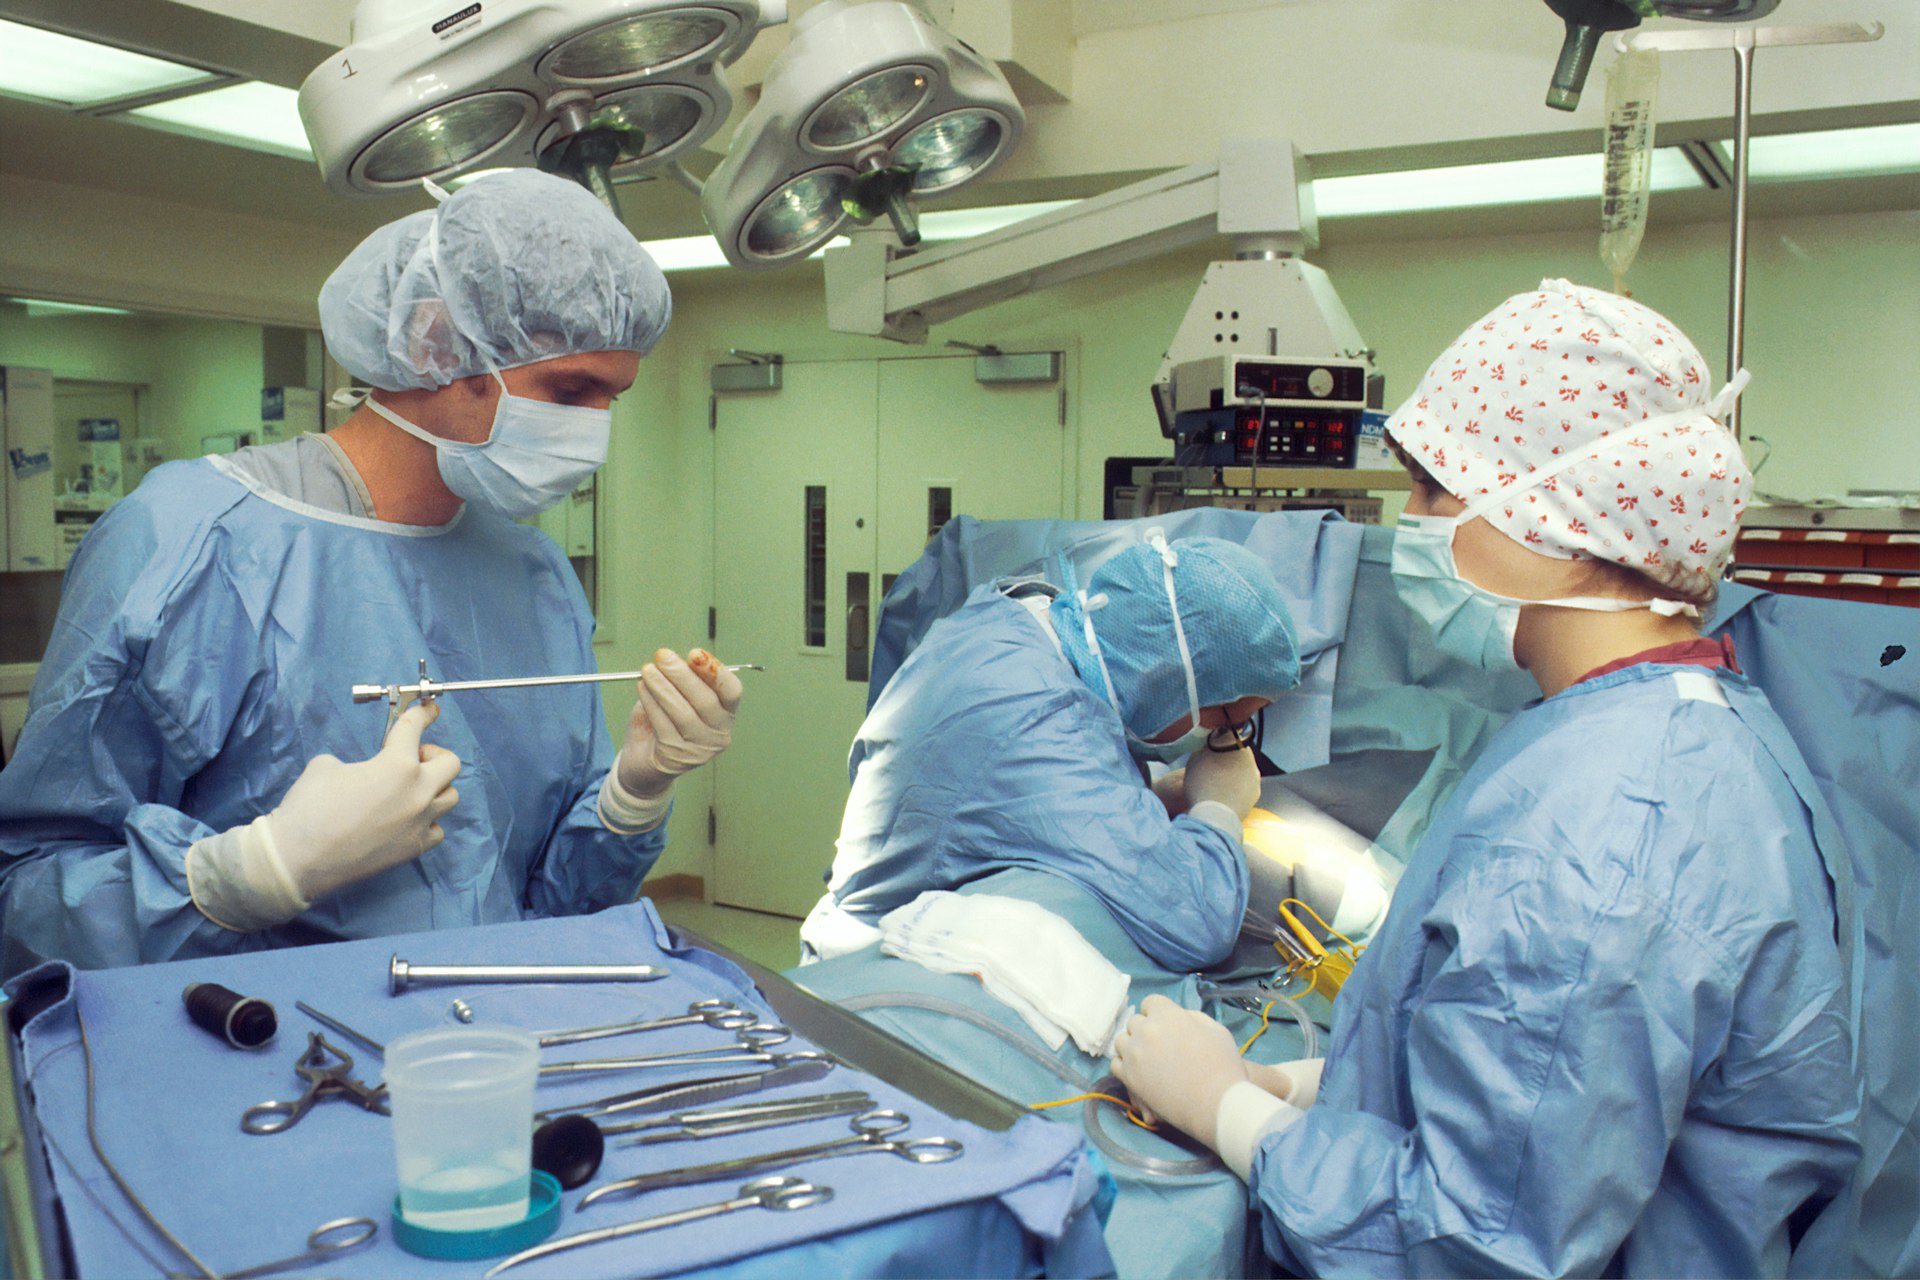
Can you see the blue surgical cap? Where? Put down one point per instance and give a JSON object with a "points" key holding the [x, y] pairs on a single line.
{"points": [[513, 268], [1236, 622]]}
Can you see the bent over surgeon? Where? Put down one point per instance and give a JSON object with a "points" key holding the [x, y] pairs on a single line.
{"points": [[1609, 1025], [1011, 736], [179, 787]]}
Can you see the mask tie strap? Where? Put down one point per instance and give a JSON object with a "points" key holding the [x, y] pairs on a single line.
{"points": [[1157, 539], [1087, 605]]}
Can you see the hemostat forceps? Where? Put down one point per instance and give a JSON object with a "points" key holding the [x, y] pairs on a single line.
{"points": [[329, 1074], [721, 1014], [752, 1046], [719, 1122], [872, 1131], [761, 1193]]}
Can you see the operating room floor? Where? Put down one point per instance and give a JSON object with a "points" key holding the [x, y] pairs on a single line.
{"points": [[773, 941]]}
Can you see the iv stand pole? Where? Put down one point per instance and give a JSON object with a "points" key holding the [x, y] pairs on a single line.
{"points": [[1743, 41]]}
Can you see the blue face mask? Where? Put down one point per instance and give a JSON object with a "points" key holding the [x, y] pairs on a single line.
{"points": [[537, 453], [1168, 752], [1468, 621]]}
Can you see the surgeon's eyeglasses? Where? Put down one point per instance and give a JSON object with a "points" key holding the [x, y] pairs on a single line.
{"points": [[1233, 737]]}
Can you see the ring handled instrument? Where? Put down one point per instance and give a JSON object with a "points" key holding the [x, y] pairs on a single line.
{"points": [[329, 1074], [804, 1068], [327, 1241], [753, 1042], [780, 1194], [719, 1122], [723, 1015], [872, 1131]]}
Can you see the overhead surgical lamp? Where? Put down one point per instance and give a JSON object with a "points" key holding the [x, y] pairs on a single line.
{"points": [[870, 108], [594, 89]]}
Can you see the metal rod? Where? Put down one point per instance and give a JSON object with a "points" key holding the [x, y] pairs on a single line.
{"points": [[334, 1024], [434, 688], [402, 975], [1737, 289]]}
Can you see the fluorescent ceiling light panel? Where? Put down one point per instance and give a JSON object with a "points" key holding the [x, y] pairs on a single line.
{"points": [[37, 307], [1836, 153], [262, 117], [51, 67], [1469, 186]]}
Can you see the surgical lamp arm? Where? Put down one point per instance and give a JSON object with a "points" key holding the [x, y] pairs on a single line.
{"points": [[1258, 193]]}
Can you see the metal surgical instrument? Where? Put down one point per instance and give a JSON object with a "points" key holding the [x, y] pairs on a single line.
{"points": [[326, 1241], [402, 975], [872, 1131], [334, 1024], [397, 696], [329, 1074], [709, 1089], [721, 1014], [753, 1041], [718, 1122], [761, 1193]]}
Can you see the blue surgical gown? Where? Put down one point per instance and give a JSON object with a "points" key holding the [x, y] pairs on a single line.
{"points": [[206, 646], [985, 750], [1609, 1026]]}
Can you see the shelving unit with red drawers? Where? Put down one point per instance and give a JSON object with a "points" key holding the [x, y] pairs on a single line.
{"points": [[1866, 554]]}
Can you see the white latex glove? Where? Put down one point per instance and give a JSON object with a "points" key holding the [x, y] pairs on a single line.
{"points": [[1170, 789], [1177, 1064], [682, 719], [339, 823], [1230, 778]]}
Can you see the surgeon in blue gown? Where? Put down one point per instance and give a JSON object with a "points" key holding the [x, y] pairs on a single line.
{"points": [[179, 786], [1611, 1023], [1014, 736]]}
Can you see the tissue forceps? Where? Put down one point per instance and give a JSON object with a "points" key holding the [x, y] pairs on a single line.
{"points": [[762, 1193], [721, 1014], [329, 1074], [328, 1240], [752, 1046], [872, 1131]]}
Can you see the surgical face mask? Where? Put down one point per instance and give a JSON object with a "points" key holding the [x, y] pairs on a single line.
{"points": [[1468, 621], [537, 453], [1167, 752]]}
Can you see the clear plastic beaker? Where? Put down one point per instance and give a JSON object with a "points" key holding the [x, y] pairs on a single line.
{"points": [[462, 1100]]}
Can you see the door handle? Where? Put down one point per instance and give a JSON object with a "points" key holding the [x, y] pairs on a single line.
{"points": [[858, 610]]}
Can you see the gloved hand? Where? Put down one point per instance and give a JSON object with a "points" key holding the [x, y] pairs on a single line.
{"points": [[1177, 1064], [338, 823], [1170, 789], [1230, 778], [682, 719], [341, 823]]}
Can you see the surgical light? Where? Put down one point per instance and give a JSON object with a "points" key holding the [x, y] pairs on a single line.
{"points": [[50, 67], [587, 87], [868, 108]]}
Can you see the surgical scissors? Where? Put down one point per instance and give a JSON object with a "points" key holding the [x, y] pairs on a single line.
{"points": [[329, 1074], [723, 1015], [328, 1240], [872, 1131], [762, 1193], [753, 1042]]}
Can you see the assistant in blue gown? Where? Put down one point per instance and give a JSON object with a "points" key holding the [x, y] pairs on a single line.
{"points": [[1610, 991], [205, 651], [989, 749]]}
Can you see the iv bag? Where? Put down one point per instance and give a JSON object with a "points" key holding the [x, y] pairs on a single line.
{"points": [[1633, 84]]}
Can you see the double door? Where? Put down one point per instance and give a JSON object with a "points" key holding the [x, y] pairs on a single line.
{"points": [[823, 491]]}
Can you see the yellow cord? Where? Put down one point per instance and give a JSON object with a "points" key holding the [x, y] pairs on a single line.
{"points": [[1127, 1107], [1262, 1031], [1322, 970]]}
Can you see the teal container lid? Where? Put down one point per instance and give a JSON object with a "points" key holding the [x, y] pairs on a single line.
{"points": [[543, 1215]]}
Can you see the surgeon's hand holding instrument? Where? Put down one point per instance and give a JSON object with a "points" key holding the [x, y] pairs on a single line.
{"points": [[779, 1194], [682, 718], [338, 824], [1231, 778], [872, 1132]]}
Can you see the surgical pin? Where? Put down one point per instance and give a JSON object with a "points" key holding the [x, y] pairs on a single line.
{"points": [[872, 1131], [334, 1024], [402, 975], [762, 1193]]}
